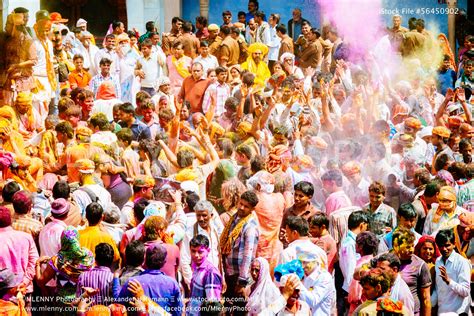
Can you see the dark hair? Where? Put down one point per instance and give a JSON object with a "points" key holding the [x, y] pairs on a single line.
{"points": [[204, 43], [61, 189], [306, 187], [412, 23], [108, 36], [147, 43], [368, 243], [176, 19], [220, 69], [319, 219], [104, 254], [420, 22], [407, 211], [9, 190], [235, 30], [22, 202], [255, 2], [131, 34], [94, 213], [5, 217], [199, 241], [187, 27], [433, 188], [356, 218], [298, 224], [127, 107], [250, 197], [125, 135], [257, 163], [100, 121], [333, 175], [150, 26], [441, 162], [259, 14], [155, 257], [305, 23], [470, 171], [177, 43], [139, 206], [281, 28], [248, 78], [191, 200], [135, 253], [184, 158], [444, 236], [403, 234], [376, 277], [20, 10], [115, 24], [77, 56], [422, 175], [65, 128], [105, 61], [225, 30], [241, 13], [202, 20], [227, 12], [377, 187], [393, 260], [244, 149]]}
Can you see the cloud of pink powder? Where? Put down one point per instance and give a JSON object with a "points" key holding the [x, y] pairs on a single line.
{"points": [[358, 22]]}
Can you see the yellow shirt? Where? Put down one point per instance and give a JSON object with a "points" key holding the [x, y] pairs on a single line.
{"points": [[91, 236]]}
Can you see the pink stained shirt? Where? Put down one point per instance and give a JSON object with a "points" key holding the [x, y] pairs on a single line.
{"points": [[19, 254], [50, 237], [336, 201]]}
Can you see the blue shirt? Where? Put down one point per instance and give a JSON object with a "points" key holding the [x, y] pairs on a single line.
{"points": [[162, 289], [140, 130], [446, 80]]}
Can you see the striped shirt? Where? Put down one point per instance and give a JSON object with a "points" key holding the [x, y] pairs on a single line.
{"points": [[243, 250], [206, 285], [27, 224], [97, 80], [221, 93], [98, 278]]}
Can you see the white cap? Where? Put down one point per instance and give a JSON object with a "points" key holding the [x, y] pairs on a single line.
{"points": [[425, 131], [190, 186], [284, 279], [81, 22]]}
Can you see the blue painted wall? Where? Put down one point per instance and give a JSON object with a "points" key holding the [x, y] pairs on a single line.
{"points": [[311, 10]]}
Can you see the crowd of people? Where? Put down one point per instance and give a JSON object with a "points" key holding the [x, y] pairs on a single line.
{"points": [[247, 166]]}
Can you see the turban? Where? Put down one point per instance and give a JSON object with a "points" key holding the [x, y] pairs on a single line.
{"points": [[303, 163], [441, 131], [276, 156], [216, 129], [448, 193], [455, 121], [285, 56], [24, 97], [255, 47], [406, 140], [143, 181], [413, 123], [123, 37], [81, 22], [244, 127], [86, 166]]}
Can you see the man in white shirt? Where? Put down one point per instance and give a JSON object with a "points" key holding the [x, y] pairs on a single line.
{"points": [[149, 67], [390, 264], [297, 233], [219, 91], [207, 60], [263, 29], [108, 52], [275, 41], [205, 225], [453, 276]]}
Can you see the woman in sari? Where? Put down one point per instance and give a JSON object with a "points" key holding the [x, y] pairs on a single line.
{"points": [[263, 292], [269, 211], [67, 265], [179, 66]]}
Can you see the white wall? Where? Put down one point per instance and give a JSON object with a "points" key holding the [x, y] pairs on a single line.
{"points": [[161, 11]]}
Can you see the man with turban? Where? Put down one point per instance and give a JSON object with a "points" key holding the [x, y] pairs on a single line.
{"points": [[256, 65], [446, 215], [439, 139], [30, 121]]}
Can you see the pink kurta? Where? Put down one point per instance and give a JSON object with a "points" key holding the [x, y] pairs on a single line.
{"points": [[269, 211], [176, 80]]}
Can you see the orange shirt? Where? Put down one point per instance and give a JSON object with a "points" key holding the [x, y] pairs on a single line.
{"points": [[81, 79]]}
